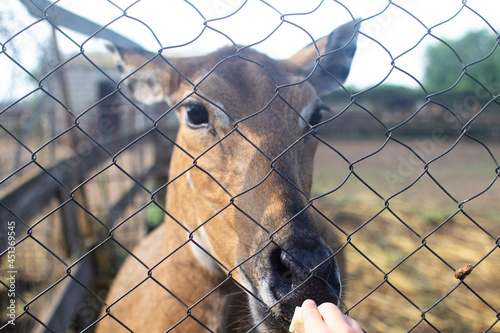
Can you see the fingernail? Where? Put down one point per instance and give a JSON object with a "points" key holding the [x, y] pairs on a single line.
{"points": [[309, 302]]}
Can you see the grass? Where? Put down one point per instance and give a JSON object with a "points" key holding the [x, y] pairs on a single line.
{"points": [[401, 263]]}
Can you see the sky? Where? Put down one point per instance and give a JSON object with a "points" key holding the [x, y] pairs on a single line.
{"points": [[388, 31]]}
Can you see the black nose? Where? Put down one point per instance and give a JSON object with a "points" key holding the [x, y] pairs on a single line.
{"points": [[302, 274]]}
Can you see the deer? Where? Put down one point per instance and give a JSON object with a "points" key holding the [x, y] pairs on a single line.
{"points": [[240, 246]]}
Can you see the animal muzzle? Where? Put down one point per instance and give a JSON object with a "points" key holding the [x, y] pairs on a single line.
{"points": [[287, 277]]}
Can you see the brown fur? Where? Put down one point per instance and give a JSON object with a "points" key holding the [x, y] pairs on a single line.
{"points": [[238, 188]]}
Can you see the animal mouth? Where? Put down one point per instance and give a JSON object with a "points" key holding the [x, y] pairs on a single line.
{"points": [[314, 288], [284, 286]]}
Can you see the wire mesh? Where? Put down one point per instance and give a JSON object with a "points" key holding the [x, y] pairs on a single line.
{"points": [[407, 177]]}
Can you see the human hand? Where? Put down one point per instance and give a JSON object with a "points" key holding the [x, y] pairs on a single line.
{"points": [[327, 318]]}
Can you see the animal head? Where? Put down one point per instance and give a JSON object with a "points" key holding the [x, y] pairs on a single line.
{"points": [[241, 172]]}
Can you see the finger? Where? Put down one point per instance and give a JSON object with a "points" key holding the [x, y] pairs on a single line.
{"points": [[311, 316], [332, 315]]}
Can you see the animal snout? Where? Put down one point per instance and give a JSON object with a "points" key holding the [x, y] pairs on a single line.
{"points": [[299, 274]]}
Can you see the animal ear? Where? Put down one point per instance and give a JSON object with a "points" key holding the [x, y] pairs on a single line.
{"points": [[141, 72], [333, 62]]}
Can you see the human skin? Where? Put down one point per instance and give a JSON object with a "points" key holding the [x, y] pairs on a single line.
{"points": [[327, 318]]}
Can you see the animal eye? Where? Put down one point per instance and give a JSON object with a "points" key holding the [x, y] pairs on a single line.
{"points": [[197, 115], [317, 115]]}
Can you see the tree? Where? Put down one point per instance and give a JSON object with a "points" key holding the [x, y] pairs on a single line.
{"points": [[477, 53]]}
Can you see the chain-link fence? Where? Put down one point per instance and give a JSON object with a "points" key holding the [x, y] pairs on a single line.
{"points": [[94, 160]]}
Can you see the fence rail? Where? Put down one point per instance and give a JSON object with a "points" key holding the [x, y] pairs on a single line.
{"points": [[407, 176]]}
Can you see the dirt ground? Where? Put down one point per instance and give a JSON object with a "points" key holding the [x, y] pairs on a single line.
{"points": [[407, 219], [408, 222]]}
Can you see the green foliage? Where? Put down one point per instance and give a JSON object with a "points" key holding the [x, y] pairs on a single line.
{"points": [[155, 216], [477, 53], [384, 96], [392, 97]]}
